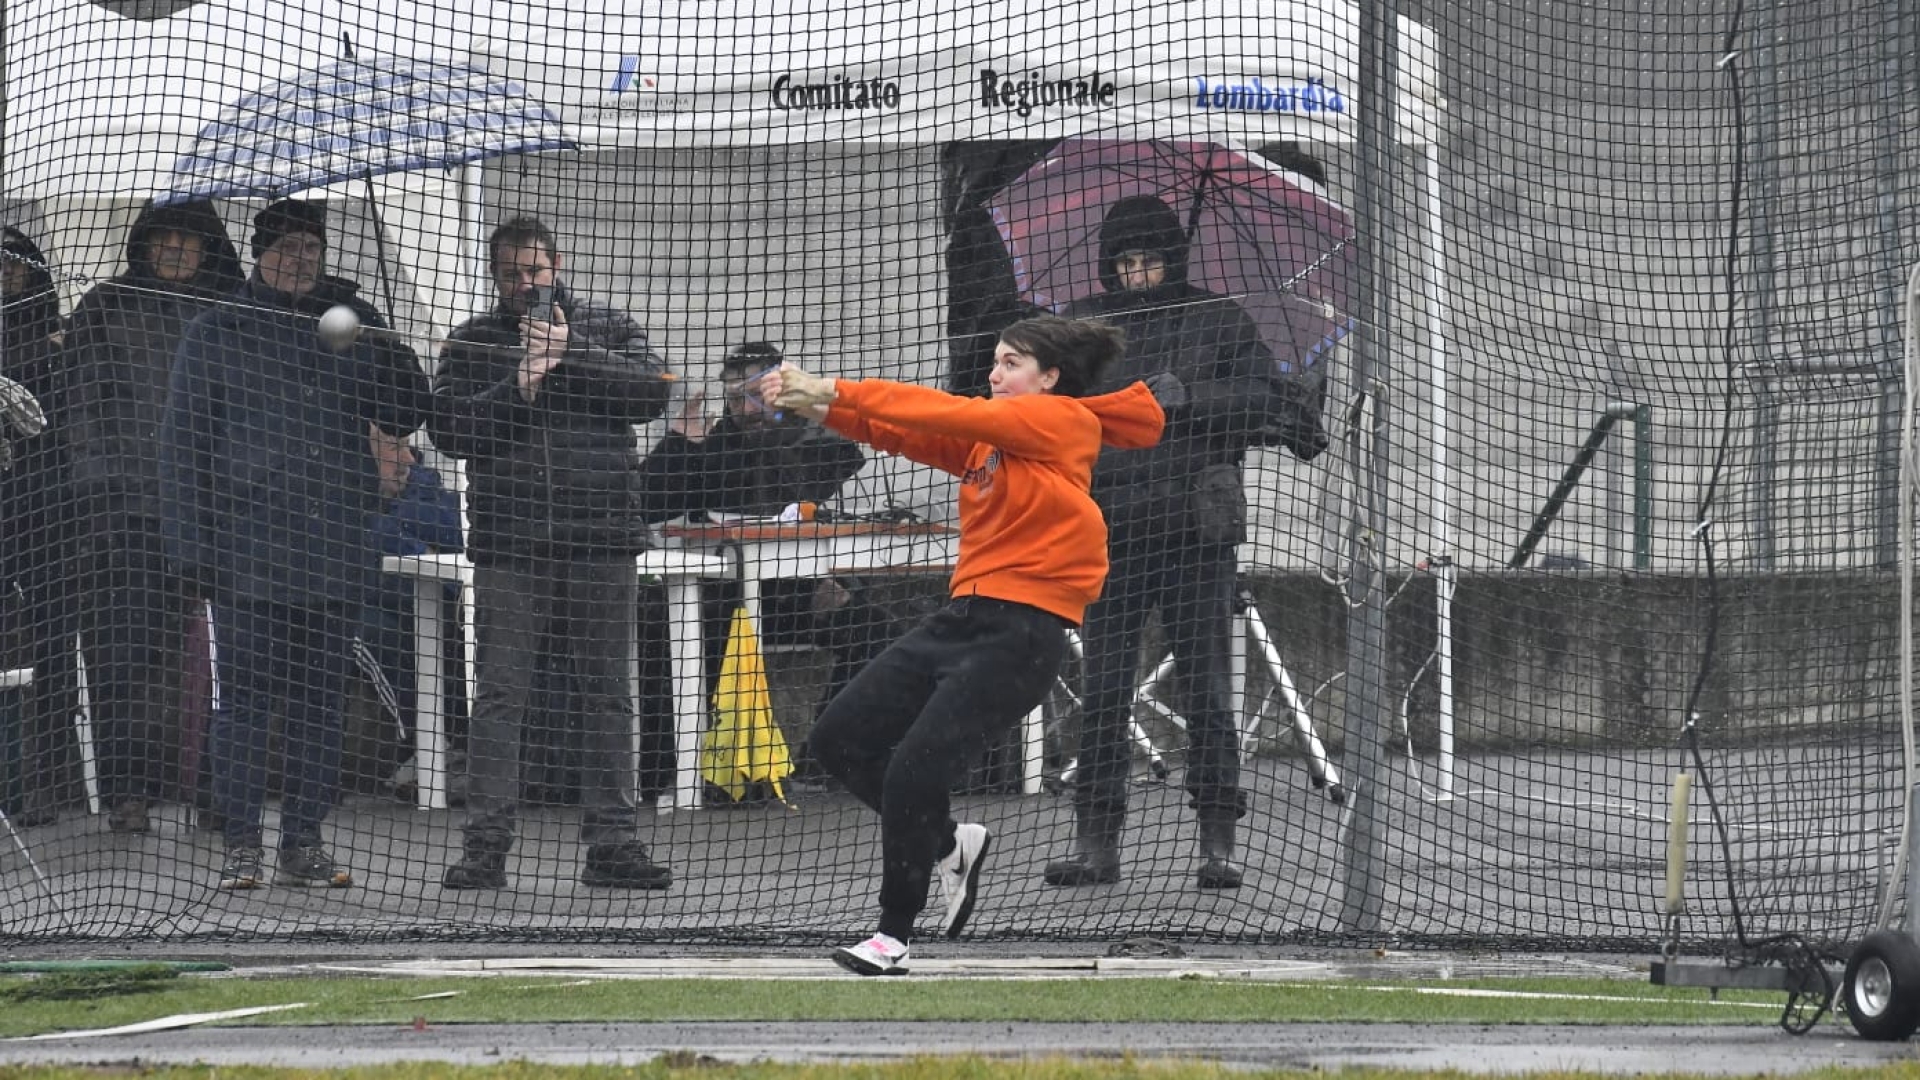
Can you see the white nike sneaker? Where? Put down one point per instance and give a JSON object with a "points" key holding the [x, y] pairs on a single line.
{"points": [[959, 874], [881, 954]]}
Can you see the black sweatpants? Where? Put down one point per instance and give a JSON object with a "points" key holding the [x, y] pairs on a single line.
{"points": [[914, 719]]}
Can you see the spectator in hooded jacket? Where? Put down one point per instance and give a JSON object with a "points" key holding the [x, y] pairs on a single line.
{"points": [[539, 396], [268, 481], [1175, 513], [34, 520], [131, 608]]}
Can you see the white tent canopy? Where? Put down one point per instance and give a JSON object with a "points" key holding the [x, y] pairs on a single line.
{"points": [[761, 73], [101, 105]]}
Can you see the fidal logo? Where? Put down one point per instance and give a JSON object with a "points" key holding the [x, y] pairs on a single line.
{"points": [[638, 92], [1034, 91], [628, 77]]}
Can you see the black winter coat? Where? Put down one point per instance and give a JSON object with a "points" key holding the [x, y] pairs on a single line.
{"points": [[120, 346], [741, 469], [34, 511], [1211, 345], [267, 476], [559, 477], [1205, 341]]}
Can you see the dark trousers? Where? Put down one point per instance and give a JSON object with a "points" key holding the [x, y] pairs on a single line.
{"points": [[584, 608], [110, 587], [131, 618], [50, 763], [291, 661], [1191, 586], [911, 722]]}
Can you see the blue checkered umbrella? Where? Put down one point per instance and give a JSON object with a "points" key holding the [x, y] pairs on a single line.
{"points": [[357, 119]]}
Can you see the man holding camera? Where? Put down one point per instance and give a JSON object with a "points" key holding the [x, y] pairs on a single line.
{"points": [[539, 396]]}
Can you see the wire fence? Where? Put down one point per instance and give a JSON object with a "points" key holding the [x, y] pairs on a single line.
{"points": [[1533, 437]]}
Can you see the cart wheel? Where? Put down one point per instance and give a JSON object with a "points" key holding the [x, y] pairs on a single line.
{"points": [[1882, 986]]}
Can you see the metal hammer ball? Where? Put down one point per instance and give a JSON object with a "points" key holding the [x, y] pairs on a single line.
{"points": [[339, 327]]}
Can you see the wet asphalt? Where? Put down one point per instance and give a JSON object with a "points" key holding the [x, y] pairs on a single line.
{"points": [[1757, 1050]]}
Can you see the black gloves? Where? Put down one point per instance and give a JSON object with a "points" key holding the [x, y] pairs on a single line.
{"points": [[1167, 389]]}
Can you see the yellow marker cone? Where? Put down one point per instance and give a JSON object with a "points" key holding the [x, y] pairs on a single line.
{"points": [[744, 746]]}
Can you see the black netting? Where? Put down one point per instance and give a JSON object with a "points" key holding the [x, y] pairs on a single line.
{"points": [[1533, 435]]}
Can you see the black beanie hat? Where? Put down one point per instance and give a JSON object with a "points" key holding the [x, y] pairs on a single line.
{"points": [[1142, 223], [288, 216]]}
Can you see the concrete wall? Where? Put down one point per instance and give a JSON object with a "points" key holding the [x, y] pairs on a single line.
{"points": [[1570, 659], [1595, 659]]}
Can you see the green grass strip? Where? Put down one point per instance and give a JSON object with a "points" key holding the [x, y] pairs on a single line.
{"points": [[532, 999]]}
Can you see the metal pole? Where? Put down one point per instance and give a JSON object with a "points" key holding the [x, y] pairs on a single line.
{"points": [[1643, 487], [1440, 556], [1763, 155], [1368, 719], [1888, 182], [478, 276], [1319, 769], [1905, 863], [1615, 467], [476, 283], [6, 193]]}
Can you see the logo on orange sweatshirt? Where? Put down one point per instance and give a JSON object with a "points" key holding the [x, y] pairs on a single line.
{"points": [[981, 475]]}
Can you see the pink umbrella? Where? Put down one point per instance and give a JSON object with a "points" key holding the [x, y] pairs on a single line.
{"points": [[1260, 235]]}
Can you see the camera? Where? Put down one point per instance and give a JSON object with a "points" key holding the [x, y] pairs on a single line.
{"points": [[540, 303]]}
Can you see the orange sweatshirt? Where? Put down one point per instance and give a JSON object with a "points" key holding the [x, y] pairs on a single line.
{"points": [[1029, 532]]}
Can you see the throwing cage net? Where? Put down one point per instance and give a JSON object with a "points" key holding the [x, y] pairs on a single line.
{"points": [[398, 544]]}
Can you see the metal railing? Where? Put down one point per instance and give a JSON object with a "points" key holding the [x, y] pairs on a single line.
{"points": [[1642, 418]]}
